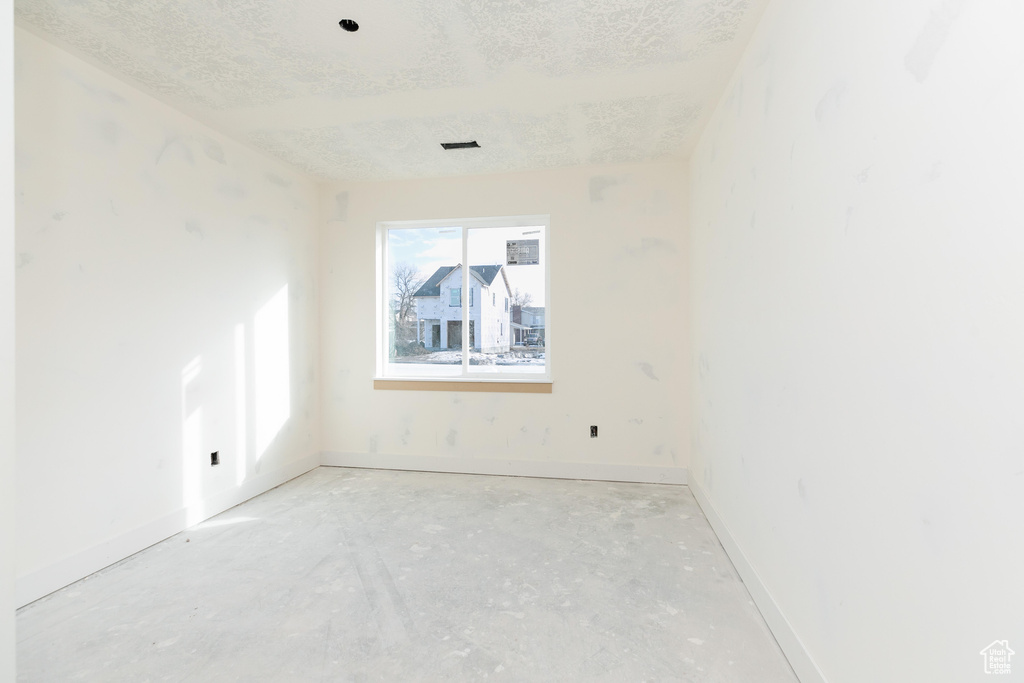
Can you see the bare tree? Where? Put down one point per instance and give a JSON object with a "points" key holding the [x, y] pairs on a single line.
{"points": [[405, 280], [520, 298]]}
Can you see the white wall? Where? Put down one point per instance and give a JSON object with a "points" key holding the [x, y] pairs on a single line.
{"points": [[857, 298], [618, 256], [7, 467], [166, 308]]}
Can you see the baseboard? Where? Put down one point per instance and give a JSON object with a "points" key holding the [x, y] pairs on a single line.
{"points": [[799, 658], [250, 488], [515, 468], [42, 582]]}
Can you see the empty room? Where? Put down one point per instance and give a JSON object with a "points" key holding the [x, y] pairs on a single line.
{"points": [[582, 340]]}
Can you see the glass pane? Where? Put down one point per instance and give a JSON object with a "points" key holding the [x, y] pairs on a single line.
{"points": [[507, 322], [424, 301]]}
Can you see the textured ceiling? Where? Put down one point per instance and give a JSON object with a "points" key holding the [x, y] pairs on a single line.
{"points": [[539, 83]]}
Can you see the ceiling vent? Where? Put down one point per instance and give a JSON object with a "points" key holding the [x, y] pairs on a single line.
{"points": [[460, 145], [349, 25]]}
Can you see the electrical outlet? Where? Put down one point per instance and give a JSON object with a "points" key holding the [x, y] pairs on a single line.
{"points": [[214, 458], [593, 431]]}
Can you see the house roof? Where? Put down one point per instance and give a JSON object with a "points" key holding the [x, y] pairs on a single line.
{"points": [[486, 273], [432, 287]]}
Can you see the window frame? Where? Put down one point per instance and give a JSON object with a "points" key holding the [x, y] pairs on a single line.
{"points": [[385, 372]]}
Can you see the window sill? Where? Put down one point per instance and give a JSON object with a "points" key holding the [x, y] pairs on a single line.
{"points": [[508, 386]]}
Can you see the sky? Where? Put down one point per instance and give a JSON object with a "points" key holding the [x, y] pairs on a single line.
{"points": [[430, 248]]}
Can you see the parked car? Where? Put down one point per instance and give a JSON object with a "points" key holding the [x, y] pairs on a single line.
{"points": [[533, 339]]}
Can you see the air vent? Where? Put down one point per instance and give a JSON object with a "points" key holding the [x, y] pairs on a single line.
{"points": [[460, 145]]}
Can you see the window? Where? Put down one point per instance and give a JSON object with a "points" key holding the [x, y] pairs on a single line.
{"points": [[424, 329]]}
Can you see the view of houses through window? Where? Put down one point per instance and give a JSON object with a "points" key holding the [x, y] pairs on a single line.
{"points": [[498, 328]]}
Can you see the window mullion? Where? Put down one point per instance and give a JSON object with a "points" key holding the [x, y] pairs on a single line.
{"points": [[465, 309], [383, 326]]}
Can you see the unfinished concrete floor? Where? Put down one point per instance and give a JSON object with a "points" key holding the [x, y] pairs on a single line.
{"points": [[367, 575]]}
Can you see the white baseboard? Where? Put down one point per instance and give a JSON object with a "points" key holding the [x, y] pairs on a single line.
{"points": [[42, 582], [799, 658], [515, 468], [250, 488]]}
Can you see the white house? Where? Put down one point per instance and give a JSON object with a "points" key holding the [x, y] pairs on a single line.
{"points": [[439, 309]]}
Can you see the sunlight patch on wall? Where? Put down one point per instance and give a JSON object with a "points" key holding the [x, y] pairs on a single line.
{"points": [[241, 445], [273, 399], [191, 440]]}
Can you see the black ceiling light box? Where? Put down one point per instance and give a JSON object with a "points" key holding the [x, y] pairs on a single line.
{"points": [[349, 25]]}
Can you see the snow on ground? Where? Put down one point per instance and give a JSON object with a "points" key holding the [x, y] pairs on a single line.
{"points": [[454, 357]]}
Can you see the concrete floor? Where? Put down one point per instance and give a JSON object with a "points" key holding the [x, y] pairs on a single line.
{"points": [[365, 575]]}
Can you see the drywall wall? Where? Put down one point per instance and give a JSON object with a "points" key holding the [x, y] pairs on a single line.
{"points": [[618, 255], [166, 309], [857, 289], [7, 468]]}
